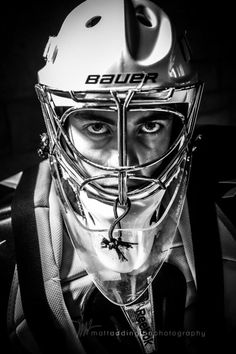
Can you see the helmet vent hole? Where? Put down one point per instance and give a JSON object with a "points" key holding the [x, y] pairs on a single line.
{"points": [[146, 16], [93, 21]]}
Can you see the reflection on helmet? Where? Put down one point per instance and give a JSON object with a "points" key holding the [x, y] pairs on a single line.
{"points": [[119, 61]]}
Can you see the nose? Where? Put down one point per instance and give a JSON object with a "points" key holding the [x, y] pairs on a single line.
{"points": [[132, 154], [132, 157]]}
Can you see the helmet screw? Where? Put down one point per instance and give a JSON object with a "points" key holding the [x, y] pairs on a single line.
{"points": [[43, 150]]}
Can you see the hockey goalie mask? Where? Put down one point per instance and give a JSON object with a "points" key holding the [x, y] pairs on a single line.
{"points": [[120, 102]]}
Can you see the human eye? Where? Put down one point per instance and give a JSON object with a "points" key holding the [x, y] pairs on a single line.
{"points": [[150, 127], [97, 129]]}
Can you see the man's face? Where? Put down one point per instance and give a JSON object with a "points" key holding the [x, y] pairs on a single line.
{"points": [[94, 134]]}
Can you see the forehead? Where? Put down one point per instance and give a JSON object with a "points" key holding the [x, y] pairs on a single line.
{"points": [[134, 116]]}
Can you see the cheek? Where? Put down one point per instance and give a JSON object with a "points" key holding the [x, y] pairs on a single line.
{"points": [[102, 155], [94, 151], [153, 148], [163, 140], [78, 139], [162, 144]]}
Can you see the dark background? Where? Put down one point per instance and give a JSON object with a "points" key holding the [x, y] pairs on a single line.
{"points": [[25, 28]]}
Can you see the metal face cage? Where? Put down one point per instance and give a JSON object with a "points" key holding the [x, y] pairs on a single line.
{"points": [[67, 156]]}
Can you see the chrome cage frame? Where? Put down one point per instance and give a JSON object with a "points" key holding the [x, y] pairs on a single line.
{"points": [[120, 101]]}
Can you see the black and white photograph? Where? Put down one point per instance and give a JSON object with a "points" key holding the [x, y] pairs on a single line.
{"points": [[117, 177]]}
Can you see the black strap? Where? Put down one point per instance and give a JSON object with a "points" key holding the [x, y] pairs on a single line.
{"points": [[207, 248], [38, 314]]}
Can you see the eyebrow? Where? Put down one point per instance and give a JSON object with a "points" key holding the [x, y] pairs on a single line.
{"points": [[153, 116], [84, 116]]}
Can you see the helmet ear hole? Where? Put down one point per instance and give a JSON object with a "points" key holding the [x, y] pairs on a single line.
{"points": [[145, 16], [93, 21]]}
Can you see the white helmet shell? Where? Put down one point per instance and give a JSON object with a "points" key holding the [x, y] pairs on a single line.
{"points": [[103, 43]]}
